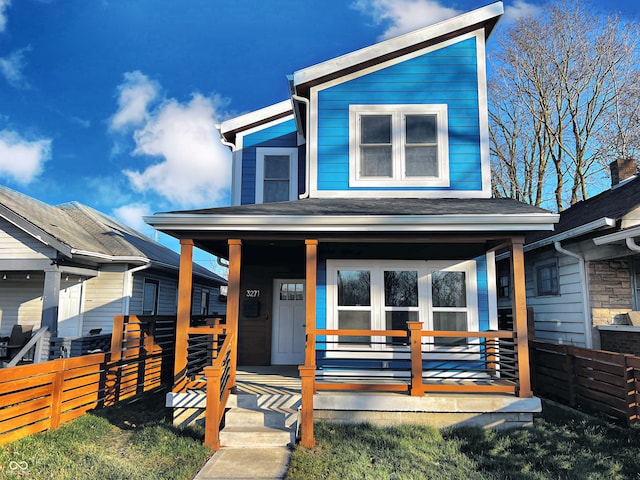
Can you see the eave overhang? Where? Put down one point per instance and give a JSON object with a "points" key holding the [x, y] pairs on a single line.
{"points": [[585, 229], [230, 128], [485, 17], [620, 236], [353, 223]]}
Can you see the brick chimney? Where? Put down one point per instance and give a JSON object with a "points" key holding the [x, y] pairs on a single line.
{"points": [[622, 169]]}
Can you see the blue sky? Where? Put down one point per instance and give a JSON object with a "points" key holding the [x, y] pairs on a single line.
{"points": [[113, 103]]}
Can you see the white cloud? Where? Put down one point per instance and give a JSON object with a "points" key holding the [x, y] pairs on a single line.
{"points": [[195, 167], [21, 160], [12, 67], [520, 9], [131, 215], [402, 16], [4, 4], [135, 95]]}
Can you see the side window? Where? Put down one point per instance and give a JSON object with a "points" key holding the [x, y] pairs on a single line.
{"points": [[204, 302], [276, 174], [547, 278], [150, 297], [403, 145]]}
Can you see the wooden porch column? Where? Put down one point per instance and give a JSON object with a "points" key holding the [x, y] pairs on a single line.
{"points": [[310, 305], [415, 338], [183, 321], [233, 302], [519, 310]]}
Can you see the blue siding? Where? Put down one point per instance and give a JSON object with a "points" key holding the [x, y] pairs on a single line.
{"points": [[281, 135], [482, 282], [444, 76]]}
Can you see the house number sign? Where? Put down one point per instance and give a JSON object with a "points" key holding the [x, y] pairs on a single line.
{"points": [[253, 293]]}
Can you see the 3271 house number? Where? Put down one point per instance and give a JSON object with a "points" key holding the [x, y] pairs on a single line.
{"points": [[253, 293]]}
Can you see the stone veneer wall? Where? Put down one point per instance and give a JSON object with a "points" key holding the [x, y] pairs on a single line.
{"points": [[610, 290]]}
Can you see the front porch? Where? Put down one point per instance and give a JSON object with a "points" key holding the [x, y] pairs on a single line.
{"points": [[444, 377]]}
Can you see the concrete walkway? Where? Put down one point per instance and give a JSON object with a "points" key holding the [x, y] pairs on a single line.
{"points": [[246, 463]]}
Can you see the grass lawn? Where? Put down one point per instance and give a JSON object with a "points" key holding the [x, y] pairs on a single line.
{"points": [[129, 441], [563, 444]]}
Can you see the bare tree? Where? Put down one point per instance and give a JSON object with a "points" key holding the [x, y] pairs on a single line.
{"points": [[563, 101]]}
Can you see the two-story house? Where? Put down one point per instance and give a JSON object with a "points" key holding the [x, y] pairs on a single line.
{"points": [[361, 210]]}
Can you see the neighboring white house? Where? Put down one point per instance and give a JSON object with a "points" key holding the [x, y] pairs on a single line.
{"points": [[72, 269]]}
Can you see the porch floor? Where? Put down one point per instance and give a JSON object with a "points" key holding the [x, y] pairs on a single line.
{"points": [[276, 379]]}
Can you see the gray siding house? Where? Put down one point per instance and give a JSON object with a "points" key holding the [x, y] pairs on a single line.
{"points": [[72, 269]]}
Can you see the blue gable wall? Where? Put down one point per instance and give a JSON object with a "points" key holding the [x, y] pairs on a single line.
{"points": [[445, 76], [281, 135]]}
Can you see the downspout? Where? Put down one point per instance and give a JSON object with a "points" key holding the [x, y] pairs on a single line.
{"points": [[585, 292], [298, 98], [127, 288]]}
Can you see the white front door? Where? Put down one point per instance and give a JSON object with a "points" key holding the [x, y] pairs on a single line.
{"points": [[70, 311], [287, 346]]}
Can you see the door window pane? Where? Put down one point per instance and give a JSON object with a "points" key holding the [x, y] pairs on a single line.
{"points": [[401, 289], [354, 320], [354, 288], [450, 321], [449, 289]]}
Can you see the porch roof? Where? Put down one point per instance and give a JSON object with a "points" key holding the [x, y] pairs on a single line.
{"points": [[363, 216]]}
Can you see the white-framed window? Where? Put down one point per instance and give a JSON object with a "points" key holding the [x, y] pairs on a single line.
{"points": [[276, 174], [547, 280], [150, 297], [398, 145], [385, 294]]}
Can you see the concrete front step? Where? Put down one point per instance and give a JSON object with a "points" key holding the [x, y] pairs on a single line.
{"points": [[248, 416], [255, 436], [265, 420]]}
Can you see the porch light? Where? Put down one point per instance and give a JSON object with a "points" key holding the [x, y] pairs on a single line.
{"points": [[4, 277], [28, 276]]}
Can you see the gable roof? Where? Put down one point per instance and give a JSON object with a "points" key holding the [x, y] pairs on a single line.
{"points": [[605, 210], [79, 231], [485, 17], [229, 128]]}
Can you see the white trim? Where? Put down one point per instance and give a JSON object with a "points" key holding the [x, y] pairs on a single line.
{"points": [[483, 114], [390, 46], [256, 116], [399, 193], [292, 153], [398, 115], [492, 303], [353, 223]]}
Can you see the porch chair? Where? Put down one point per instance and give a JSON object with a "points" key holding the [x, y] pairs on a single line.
{"points": [[20, 336]]}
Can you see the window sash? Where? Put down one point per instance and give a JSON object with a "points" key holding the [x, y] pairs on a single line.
{"points": [[383, 313], [150, 297], [415, 153]]}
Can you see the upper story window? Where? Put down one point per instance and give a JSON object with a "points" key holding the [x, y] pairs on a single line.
{"points": [[276, 174], [398, 145]]}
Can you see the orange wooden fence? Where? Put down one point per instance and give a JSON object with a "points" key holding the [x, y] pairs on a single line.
{"points": [[594, 380], [42, 396]]}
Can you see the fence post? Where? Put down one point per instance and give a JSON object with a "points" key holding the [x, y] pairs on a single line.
{"points": [[212, 407], [632, 391], [307, 376], [570, 369], [415, 339], [56, 394]]}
